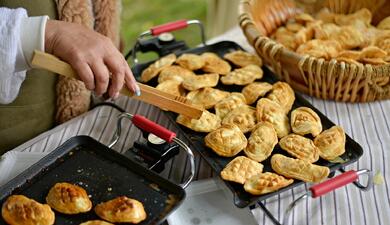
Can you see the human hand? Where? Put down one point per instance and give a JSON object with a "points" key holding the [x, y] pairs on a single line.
{"points": [[92, 55]]}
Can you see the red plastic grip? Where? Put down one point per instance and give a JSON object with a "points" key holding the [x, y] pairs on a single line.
{"points": [[334, 183], [154, 128], [177, 25]]}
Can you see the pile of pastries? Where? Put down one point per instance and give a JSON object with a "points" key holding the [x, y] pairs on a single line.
{"points": [[70, 199], [248, 125], [349, 38]]}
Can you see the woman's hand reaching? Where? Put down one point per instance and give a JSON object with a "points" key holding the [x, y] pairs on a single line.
{"points": [[92, 55]]}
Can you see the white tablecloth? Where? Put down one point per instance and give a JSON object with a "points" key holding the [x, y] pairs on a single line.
{"points": [[368, 124]]}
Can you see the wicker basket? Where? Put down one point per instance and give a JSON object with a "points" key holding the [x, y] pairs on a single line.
{"points": [[323, 79]]}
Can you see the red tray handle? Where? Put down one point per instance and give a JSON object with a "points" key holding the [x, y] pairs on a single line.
{"points": [[334, 183], [176, 25], [154, 128]]}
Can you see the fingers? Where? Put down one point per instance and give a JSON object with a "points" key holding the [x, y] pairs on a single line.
{"points": [[85, 73], [130, 81], [118, 75], [101, 77]]}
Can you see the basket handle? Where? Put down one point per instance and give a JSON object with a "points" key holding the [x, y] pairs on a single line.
{"points": [[149, 126]]}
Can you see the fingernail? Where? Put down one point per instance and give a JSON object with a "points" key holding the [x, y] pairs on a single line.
{"points": [[137, 91]]}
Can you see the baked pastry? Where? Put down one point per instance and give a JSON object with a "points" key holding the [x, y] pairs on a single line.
{"points": [[206, 123], [305, 121], [207, 97], [283, 94], [155, 68], [264, 183], [326, 49], [200, 81], [300, 147], [121, 210], [298, 169], [240, 169], [242, 59], [243, 76], [227, 141], [174, 73], [20, 210], [262, 141], [331, 143], [226, 105], [191, 61], [270, 111], [243, 116], [255, 90], [384, 24], [172, 87], [68, 199], [96, 222], [214, 64]]}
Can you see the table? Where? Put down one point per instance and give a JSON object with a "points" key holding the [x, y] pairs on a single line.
{"points": [[367, 123]]}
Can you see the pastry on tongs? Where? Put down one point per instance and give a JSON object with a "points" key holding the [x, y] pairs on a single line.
{"points": [[207, 97], [206, 123]]}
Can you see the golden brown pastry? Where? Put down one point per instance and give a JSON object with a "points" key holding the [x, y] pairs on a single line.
{"points": [[243, 116], [298, 169], [270, 111], [326, 49], [359, 19], [283, 94], [264, 183], [227, 141], [305, 121], [214, 64], [262, 141], [201, 81], [300, 147], [331, 143], [96, 222], [243, 76], [191, 61], [68, 199], [255, 90], [206, 123], [207, 97], [349, 37], [240, 169], [121, 210], [154, 69], [174, 73], [226, 105], [242, 59], [384, 24], [20, 210], [172, 87]]}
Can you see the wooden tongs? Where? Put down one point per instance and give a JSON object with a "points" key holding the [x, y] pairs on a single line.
{"points": [[149, 94]]}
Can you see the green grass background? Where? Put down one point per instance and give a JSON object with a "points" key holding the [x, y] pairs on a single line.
{"points": [[140, 15]]}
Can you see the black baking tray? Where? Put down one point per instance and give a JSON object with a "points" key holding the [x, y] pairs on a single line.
{"points": [[104, 173], [241, 198]]}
